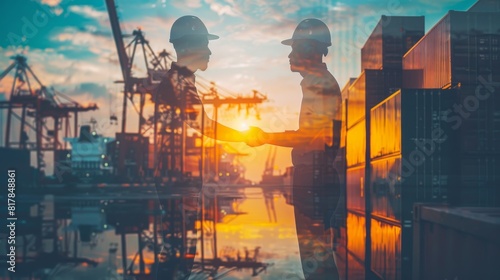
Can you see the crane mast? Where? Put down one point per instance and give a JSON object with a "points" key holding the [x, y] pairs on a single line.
{"points": [[122, 54]]}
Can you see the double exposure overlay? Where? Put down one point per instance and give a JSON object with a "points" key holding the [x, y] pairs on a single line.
{"points": [[231, 139]]}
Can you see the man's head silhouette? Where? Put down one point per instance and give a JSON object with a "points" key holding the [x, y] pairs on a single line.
{"points": [[309, 43], [190, 39]]}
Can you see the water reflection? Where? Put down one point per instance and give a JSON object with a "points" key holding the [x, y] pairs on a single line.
{"points": [[257, 226]]}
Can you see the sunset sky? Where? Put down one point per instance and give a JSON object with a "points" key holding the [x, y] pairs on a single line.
{"points": [[72, 49]]}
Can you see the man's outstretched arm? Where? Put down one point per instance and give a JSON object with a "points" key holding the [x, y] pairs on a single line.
{"points": [[224, 133], [288, 138]]}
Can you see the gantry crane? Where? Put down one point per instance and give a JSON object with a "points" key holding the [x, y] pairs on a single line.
{"points": [[156, 66], [33, 99]]}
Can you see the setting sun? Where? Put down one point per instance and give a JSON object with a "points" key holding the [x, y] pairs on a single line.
{"points": [[244, 126]]}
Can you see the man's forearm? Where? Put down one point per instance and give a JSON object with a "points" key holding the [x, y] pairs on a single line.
{"points": [[292, 138], [225, 133], [289, 138]]}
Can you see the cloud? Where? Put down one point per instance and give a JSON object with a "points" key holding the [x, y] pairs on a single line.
{"points": [[97, 42], [51, 3], [94, 89], [186, 4], [338, 7], [228, 8], [88, 12]]}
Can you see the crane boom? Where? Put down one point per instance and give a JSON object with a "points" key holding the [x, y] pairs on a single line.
{"points": [[117, 35]]}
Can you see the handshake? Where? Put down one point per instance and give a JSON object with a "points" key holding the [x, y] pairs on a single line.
{"points": [[255, 137]]}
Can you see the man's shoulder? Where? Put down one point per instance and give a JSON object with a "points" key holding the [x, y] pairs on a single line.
{"points": [[323, 81]]}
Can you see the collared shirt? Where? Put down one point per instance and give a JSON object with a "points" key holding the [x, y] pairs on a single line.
{"points": [[321, 104], [178, 90]]}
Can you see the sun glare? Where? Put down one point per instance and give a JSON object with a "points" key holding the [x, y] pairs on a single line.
{"points": [[244, 126]]}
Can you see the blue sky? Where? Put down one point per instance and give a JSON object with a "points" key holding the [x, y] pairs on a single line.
{"points": [[70, 45]]}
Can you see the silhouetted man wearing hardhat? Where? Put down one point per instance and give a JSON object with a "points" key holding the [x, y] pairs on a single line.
{"points": [[174, 100], [315, 182], [190, 39]]}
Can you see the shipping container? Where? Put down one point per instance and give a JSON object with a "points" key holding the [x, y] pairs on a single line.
{"points": [[459, 49], [390, 40], [479, 180], [318, 187], [339, 165], [345, 89], [411, 160], [369, 89], [386, 260], [476, 116], [356, 144], [415, 167], [385, 128], [25, 175], [355, 188], [130, 155], [456, 243], [485, 6]]}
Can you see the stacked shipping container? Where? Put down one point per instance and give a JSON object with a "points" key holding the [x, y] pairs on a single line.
{"points": [[486, 6], [390, 40], [409, 162], [463, 51], [443, 135], [381, 76], [476, 118], [457, 50]]}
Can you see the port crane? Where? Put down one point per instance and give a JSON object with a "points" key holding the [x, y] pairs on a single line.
{"points": [[32, 99], [170, 147]]}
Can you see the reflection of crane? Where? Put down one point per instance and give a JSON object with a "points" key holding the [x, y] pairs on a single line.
{"points": [[269, 178], [41, 103], [271, 157]]}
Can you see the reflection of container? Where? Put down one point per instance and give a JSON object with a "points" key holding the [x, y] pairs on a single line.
{"points": [[389, 41], [128, 216], [456, 243], [356, 232], [458, 49], [88, 220], [386, 250]]}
